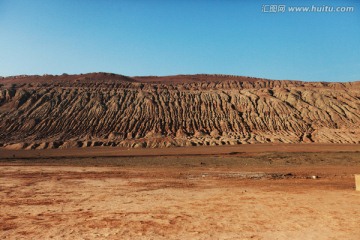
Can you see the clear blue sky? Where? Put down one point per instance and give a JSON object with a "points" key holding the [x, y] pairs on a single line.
{"points": [[149, 37]]}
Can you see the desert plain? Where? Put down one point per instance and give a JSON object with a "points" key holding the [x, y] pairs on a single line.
{"points": [[259, 191], [108, 156]]}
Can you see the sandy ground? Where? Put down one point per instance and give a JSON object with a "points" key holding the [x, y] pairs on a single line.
{"points": [[178, 151], [236, 196]]}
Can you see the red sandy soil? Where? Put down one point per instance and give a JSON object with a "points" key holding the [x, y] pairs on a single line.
{"points": [[251, 194], [174, 151]]}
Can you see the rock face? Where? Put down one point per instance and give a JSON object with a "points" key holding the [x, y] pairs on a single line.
{"points": [[101, 109]]}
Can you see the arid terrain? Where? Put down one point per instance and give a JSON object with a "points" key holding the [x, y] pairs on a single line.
{"points": [[101, 109], [105, 156], [260, 191]]}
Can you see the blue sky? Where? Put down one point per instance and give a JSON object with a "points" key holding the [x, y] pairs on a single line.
{"points": [[152, 37]]}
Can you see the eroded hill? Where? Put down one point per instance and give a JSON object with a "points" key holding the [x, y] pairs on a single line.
{"points": [[102, 109]]}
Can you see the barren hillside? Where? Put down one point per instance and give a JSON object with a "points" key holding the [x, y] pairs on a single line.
{"points": [[101, 109]]}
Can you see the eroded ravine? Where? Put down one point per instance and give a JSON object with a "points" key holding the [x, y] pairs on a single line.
{"points": [[113, 110]]}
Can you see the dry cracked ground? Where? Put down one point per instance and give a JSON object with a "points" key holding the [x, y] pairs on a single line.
{"points": [[101, 109]]}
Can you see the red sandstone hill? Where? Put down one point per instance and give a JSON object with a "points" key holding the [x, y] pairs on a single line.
{"points": [[104, 109]]}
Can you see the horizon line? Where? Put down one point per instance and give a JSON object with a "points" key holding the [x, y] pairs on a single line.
{"points": [[170, 75]]}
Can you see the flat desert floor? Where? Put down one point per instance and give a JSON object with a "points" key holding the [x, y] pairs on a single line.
{"points": [[237, 192]]}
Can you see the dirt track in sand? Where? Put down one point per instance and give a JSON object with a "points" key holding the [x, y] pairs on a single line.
{"points": [[233, 196]]}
